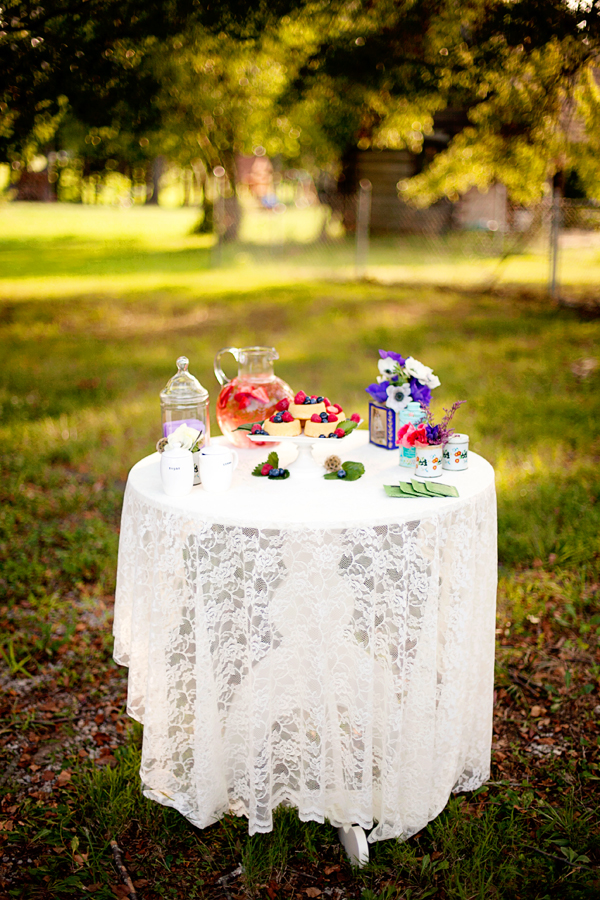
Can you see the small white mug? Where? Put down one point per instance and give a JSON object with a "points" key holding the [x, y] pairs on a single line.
{"points": [[216, 467], [177, 471]]}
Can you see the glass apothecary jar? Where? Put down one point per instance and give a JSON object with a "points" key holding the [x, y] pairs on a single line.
{"points": [[184, 401]]}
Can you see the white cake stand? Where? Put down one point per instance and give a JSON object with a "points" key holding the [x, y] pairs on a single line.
{"points": [[304, 464]]}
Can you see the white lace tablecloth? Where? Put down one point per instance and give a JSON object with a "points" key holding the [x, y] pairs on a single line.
{"points": [[309, 642]]}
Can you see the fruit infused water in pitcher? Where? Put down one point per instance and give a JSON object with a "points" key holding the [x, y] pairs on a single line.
{"points": [[252, 395]]}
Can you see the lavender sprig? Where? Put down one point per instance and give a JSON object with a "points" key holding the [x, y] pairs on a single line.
{"points": [[441, 433]]}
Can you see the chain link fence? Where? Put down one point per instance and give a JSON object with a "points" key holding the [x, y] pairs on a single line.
{"points": [[484, 242]]}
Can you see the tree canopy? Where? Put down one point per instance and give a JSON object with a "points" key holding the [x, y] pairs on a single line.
{"points": [[318, 77]]}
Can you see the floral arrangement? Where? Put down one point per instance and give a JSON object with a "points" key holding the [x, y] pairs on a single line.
{"points": [[185, 437], [401, 381], [428, 433]]}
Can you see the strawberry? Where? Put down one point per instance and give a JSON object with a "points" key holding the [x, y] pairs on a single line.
{"points": [[300, 398], [315, 418], [340, 433], [283, 404], [355, 417], [331, 418], [337, 407], [326, 402], [266, 469], [287, 417]]}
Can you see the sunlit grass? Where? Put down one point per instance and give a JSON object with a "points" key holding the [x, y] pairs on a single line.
{"points": [[85, 250], [95, 307]]}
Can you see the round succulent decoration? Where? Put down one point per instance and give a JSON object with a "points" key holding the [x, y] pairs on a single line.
{"points": [[333, 463]]}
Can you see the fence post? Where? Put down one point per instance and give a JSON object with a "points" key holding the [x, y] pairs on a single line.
{"points": [[555, 223], [363, 219], [219, 215]]}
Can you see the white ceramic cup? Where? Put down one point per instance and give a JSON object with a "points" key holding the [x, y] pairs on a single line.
{"points": [[428, 461], [456, 453], [216, 467], [177, 471]]}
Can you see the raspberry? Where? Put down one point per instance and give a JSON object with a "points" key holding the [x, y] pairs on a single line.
{"points": [[331, 418], [273, 418], [256, 429], [266, 469], [287, 417], [315, 418], [340, 433], [283, 405], [300, 398], [355, 417]]}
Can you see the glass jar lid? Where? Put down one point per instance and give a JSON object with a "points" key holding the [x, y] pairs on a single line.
{"points": [[183, 389]]}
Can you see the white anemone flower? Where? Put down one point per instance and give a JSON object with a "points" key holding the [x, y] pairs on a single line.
{"points": [[422, 373], [398, 396], [183, 436], [388, 368]]}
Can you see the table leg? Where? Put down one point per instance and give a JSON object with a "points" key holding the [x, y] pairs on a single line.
{"points": [[354, 841]]}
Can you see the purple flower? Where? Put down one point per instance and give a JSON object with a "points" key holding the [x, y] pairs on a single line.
{"points": [[395, 356], [433, 434], [378, 392], [420, 392]]}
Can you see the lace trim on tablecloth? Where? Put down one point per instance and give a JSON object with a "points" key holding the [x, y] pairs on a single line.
{"points": [[346, 672]]}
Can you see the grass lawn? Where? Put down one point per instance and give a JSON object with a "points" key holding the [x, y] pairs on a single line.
{"points": [[95, 306]]}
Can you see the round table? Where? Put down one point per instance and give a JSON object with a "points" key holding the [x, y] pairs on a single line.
{"points": [[311, 643]]}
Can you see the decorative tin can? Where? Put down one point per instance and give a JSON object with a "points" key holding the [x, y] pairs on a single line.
{"points": [[428, 461], [456, 453], [412, 414], [383, 427]]}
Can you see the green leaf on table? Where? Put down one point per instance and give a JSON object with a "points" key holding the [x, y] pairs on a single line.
{"points": [[273, 461], [248, 426], [347, 426], [353, 471]]}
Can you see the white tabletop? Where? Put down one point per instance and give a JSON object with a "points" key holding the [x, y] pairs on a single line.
{"points": [[314, 501]]}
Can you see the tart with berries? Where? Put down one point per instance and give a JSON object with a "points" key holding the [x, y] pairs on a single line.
{"points": [[321, 425], [282, 423], [303, 406], [336, 409]]}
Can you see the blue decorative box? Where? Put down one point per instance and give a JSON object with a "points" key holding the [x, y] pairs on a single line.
{"points": [[383, 428]]}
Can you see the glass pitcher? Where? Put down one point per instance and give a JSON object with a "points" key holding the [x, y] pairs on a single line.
{"points": [[252, 395]]}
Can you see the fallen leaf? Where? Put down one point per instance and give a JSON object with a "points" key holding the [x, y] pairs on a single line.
{"points": [[312, 892], [107, 761], [48, 775], [537, 711], [64, 777]]}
